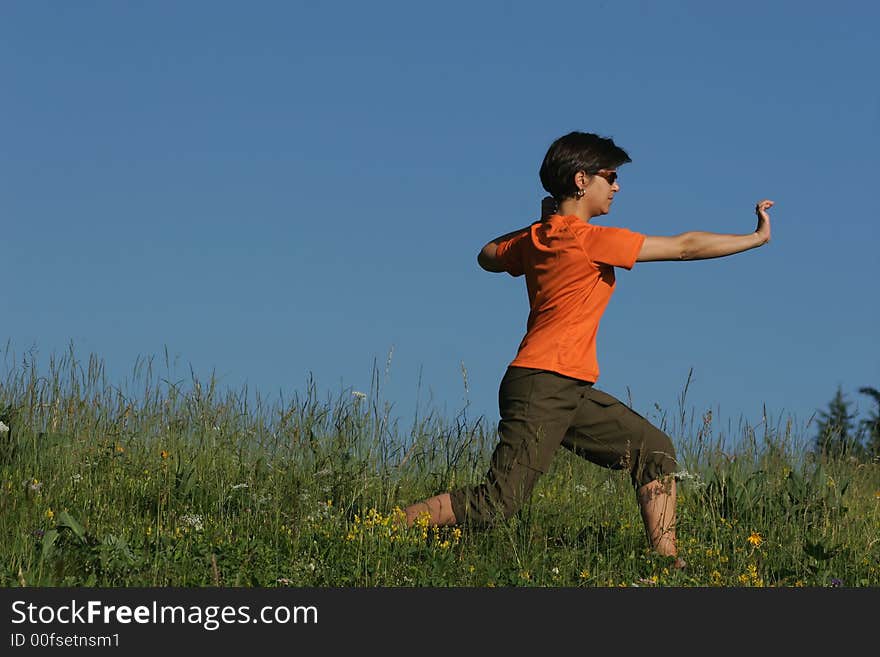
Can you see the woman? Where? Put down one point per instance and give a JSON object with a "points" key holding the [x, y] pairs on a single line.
{"points": [[547, 397]]}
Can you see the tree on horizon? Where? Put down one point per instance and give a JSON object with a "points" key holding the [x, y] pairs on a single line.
{"points": [[838, 435], [871, 424]]}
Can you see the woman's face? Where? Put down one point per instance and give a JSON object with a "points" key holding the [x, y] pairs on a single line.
{"points": [[599, 190]]}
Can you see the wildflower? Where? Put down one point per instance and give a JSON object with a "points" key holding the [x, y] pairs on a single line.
{"points": [[526, 575], [120, 449], [358, 395], [164, 454], [3, 427], [35, 485], [716, 577], [38, 533], [694, 478], [77, 477], [584, 574], [755, 539], [49, 514], [580, 488], [193, 521], [877, 495], [284, 581], [836, 582], [239, 486], [555, 570]]}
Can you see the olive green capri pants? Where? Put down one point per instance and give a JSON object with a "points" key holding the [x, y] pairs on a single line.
{"points": [[541, 410]]}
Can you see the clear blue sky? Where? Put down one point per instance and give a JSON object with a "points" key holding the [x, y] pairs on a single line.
{"points": [[270, 190]]}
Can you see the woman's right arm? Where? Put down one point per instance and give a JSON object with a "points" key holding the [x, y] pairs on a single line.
{"points": [[697, 245], [486, 257]]}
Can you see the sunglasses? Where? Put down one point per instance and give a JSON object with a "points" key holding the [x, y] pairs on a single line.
{"points": [[610, 176]]}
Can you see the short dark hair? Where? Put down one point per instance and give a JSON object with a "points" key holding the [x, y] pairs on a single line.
{"points": [[577, 151]]}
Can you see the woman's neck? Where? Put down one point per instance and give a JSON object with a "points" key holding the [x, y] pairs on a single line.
{"points": [[572, 207]]}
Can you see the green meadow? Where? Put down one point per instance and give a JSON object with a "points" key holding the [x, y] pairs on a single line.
{"points": [[163, 482]]}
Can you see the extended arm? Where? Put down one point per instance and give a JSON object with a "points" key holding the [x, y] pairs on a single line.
{"points": [[696, 245]]}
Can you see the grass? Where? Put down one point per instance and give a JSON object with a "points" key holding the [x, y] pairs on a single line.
{"points": [[173, 483]]}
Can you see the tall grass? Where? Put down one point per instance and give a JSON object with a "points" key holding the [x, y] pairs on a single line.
{"points": [[164, 482]]}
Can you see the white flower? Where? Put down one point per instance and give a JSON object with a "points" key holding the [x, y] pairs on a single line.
{"points": [[580, 488], [239, 486], [77, 478], [3, 428], [692, 477], [358, 395], [192, 520]]}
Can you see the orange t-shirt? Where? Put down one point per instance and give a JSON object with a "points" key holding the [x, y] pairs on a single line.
{"points": [[569, 269]]}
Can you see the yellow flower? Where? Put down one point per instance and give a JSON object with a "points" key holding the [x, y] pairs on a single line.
{"points": [[164, 454], [119, 449], [50, 514], [584, 574], [877, 494], [755, 539]]}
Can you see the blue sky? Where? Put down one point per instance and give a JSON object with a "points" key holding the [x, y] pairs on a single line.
{"points": [[276, 190]]}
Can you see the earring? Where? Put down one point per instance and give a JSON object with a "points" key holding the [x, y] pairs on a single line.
{"points": [[579, 193]]}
